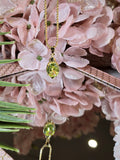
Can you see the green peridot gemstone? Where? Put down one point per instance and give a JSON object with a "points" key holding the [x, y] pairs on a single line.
{"points": [[52, 68], [49, 129]]}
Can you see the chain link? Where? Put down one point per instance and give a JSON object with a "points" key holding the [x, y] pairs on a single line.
{"points": [[57, 27]]}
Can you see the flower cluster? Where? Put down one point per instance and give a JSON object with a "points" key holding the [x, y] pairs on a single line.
{"points": [[86, 27]]}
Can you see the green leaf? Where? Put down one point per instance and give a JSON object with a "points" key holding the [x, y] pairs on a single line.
{"points": [[9, 130], [14, 105], [7, 43], [9, 84], [10, 118], [14, 112], [3, 33], [9, 148], [14, 125], [9, 61]]}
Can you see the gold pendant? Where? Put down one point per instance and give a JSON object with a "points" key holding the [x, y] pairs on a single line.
{"points": [[52, 68], [48, 130]]}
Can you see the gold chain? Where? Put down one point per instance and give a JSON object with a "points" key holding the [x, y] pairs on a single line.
{"points": [[52, 66], [57, 30]]}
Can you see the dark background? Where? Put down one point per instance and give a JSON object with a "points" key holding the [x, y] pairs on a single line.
{"points": [[75, 149]]}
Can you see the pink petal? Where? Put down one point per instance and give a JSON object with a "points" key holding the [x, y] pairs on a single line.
{"points": [[95, 51], [73, 33], [14, 35], [63, 14], [91, 32], [81, 17], [57, 119], [61, 44], [67, 101], [75, 62], [40, 5], [65, 26], [104, 40], [58, 56], [82, 99], [74, 9], [72, 84], [92, 7], [10, 8], [28, 60], [33, 18], [67, 110], [40, 118], [75, 51], [116, 49], [6, 6], [22, 32], [107, 16], [39, 26], [37, 47], [13, 51], [38, 85], [101, 30], [76, 37], [116, 15], [54, 89], [51, 31], [21, 95], [56, 107], [93, 98], [31, 33], [72, 74]]}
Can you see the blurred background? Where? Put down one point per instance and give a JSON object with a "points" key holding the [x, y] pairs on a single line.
{"points": [[76, 148]]}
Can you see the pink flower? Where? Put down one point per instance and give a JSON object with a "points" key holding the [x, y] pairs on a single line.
{"points": [[110, 105], [63, 14], [92, 7], [72, 57], [117, 140], [116, 51], [34, 56], [12, 7]]}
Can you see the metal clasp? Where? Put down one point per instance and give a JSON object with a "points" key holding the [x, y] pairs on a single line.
{"points": [[46, 145]]}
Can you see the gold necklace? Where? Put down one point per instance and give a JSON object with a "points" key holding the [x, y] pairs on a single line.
{"points": [[52, 67]]}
